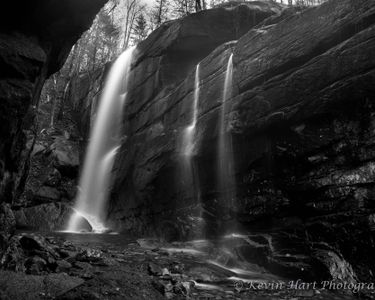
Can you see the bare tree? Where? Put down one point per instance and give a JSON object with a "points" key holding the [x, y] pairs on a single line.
{"points": [[182, 8], [131, 10], [140, 29], [159, 13], [198, 5]]}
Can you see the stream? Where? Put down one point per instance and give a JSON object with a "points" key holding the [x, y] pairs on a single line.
{"points": [[114, 266]]}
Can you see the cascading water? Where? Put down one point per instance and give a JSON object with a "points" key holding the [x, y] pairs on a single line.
{"points": [[188, 142], [103, 145], [226, 180], [189, 175]]}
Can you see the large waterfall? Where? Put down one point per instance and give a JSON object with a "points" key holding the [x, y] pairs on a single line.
{"points": [[226, 180], [103, 146]]}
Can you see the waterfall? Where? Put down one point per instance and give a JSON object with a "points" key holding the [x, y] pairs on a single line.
{"points": [[226, 180], [189, 175], [188, 141], [103, 145]]}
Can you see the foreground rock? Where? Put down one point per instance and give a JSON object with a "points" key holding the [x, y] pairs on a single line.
{"points": [[289, 256], [88, 268], [16, 286]]}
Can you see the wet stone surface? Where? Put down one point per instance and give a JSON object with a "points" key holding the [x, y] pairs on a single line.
{"points": [[85, 266]]}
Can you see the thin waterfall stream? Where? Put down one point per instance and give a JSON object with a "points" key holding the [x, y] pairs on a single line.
{"points": [[103, 145], [226, 180], [188, 142], [189, 174]]}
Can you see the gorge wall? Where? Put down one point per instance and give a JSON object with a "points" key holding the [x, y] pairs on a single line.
{"points": [[161, 63], [35, 40], [160, 106], [301, 121]]}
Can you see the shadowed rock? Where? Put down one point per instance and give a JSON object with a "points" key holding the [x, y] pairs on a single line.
{"points": [[19, 287], [7, 219], [35, 40], [48, 217]]}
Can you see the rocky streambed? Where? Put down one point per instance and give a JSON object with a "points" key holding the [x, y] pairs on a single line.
{"points": [[91, 266]]}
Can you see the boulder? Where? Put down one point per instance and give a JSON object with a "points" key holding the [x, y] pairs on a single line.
{"points": [[47, 217], [66, 157], [66, 161], [29, 253], [7, 219], [289, 256], [154, 269], [63, 266], [47, 194], [338, 267], [35, 265], [90, 256], [18, 286], [53, 179], [38, 149]]}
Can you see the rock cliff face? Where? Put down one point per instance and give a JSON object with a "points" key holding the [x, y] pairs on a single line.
{"points": [[35, 39], [161, 63], [301, 120], [159, 107]]}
